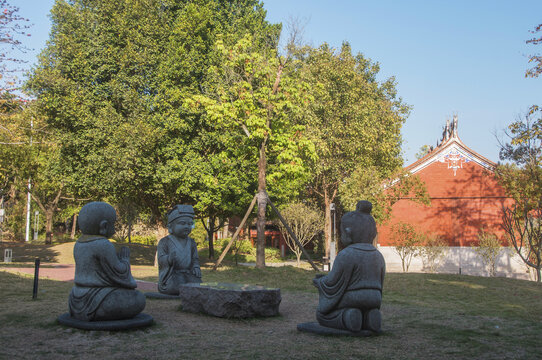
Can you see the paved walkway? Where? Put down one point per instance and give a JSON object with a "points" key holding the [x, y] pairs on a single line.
{"points": [[65, 272]]}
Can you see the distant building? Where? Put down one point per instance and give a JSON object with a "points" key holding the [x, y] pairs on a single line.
{"points": [[465, 198]]}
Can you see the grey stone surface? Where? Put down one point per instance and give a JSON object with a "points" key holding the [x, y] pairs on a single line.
{"points": [[138, 321], [315, 328], [230, 300], [104, 287], [178, 261], [350, 295], [157, 295]]}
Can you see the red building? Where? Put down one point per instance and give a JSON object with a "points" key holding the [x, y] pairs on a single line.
{"points": [[465, 196]]}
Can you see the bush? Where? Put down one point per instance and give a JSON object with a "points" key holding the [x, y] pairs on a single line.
{"points": [[406, 240], [488, 249], [433, 251], [141, 239]]}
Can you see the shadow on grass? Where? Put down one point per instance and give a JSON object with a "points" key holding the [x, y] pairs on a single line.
{"points": [[29, 252], [465, 294]]}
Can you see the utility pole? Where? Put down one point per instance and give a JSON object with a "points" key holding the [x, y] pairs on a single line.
{"points": [[28, 199]]}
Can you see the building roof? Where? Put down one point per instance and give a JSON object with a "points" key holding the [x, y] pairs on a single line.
{"points": [[451, 150]]}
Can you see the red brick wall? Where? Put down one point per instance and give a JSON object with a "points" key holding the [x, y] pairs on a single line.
{"points": [[460, 205]]}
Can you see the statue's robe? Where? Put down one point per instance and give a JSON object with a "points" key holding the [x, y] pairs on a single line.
{"points": [[355, 281], [98, 273], [180, 271]]}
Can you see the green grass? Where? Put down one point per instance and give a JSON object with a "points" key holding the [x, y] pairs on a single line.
{"points": [[425, 317]]}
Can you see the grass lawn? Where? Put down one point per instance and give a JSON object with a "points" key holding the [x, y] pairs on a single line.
{"points": [[425, 316]]}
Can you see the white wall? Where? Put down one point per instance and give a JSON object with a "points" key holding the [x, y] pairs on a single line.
{"points": [[465, 258]]}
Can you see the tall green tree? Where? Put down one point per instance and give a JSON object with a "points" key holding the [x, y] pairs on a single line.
{"points": [[95, 84], [258, 97], [356, 122], [202, 161]]}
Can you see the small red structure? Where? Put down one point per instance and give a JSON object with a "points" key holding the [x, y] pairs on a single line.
{"points": [[465, 196]]}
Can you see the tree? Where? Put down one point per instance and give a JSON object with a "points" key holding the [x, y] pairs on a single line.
{"points": [[258, 98], [433, 250], [406, 242], [355, 122], [488, 249], [424, 150], [522, 179], [370, 184], [95, 84], [12, 27], [206, 164], [306, 222], [536, 70]]}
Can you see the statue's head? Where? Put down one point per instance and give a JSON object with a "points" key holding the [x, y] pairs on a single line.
{"points": [[97, 218], [358, 226], [180, 220]]}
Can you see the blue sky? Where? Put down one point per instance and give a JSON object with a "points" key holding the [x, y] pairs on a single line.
{"points": [[448, 57]]}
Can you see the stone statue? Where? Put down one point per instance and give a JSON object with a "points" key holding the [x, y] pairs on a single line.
{"points": [[351, 294], [178, 261], [104, 287]]}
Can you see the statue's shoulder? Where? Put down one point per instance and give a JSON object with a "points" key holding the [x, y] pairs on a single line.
{"points": [[362, 247], [165, 239]]}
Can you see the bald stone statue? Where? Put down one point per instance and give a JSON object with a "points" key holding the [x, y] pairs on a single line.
{"points": [[104, 287], [178, 261], [351, 294]]}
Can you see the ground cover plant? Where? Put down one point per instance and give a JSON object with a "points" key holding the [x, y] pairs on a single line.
{"points": [[425, 316]]}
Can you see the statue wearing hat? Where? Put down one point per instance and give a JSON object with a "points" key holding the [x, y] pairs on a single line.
{"points": [[178, 261]]}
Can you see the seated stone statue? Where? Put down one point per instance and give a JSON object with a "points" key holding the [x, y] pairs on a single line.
{"points": [[351, 294], [104, 287], [178, 261]]}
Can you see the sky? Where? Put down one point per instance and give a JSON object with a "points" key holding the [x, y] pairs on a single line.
{"points": [[448, 57]]}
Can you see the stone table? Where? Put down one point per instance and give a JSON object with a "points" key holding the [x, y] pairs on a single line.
{"points": [[230, 300]]}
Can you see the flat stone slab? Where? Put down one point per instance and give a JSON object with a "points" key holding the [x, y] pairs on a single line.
{"points": [[138, 321], [157, 295], [316, 328], [228, 300]]}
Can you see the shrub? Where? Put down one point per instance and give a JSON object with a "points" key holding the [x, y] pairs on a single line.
{"points": [[433, 251], [488, 249], [406, 240]]}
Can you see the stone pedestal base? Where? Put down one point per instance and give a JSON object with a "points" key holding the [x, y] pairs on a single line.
{"points": [[230, 300], [138, 321], [157, 295], [315, 328]]}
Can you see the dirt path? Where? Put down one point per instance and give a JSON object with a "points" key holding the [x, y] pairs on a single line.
{"points": [[65, 272]]}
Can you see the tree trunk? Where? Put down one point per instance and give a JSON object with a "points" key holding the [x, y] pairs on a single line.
{"points": [[49, 226], [262, 204], [327, 222], [74, 226], [130, 231], [538, 275], [210, 235]]}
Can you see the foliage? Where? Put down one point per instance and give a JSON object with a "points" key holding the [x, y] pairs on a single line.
{"points": [[406, 242], [257, 99], [424, 150], [12, 28], [94, 84], [355, 123], [305, 221], [203, 163], [144, 240], [488, 249], [536, 70], [522, 179], [524, 230], [433, 250], [370, 184]]}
